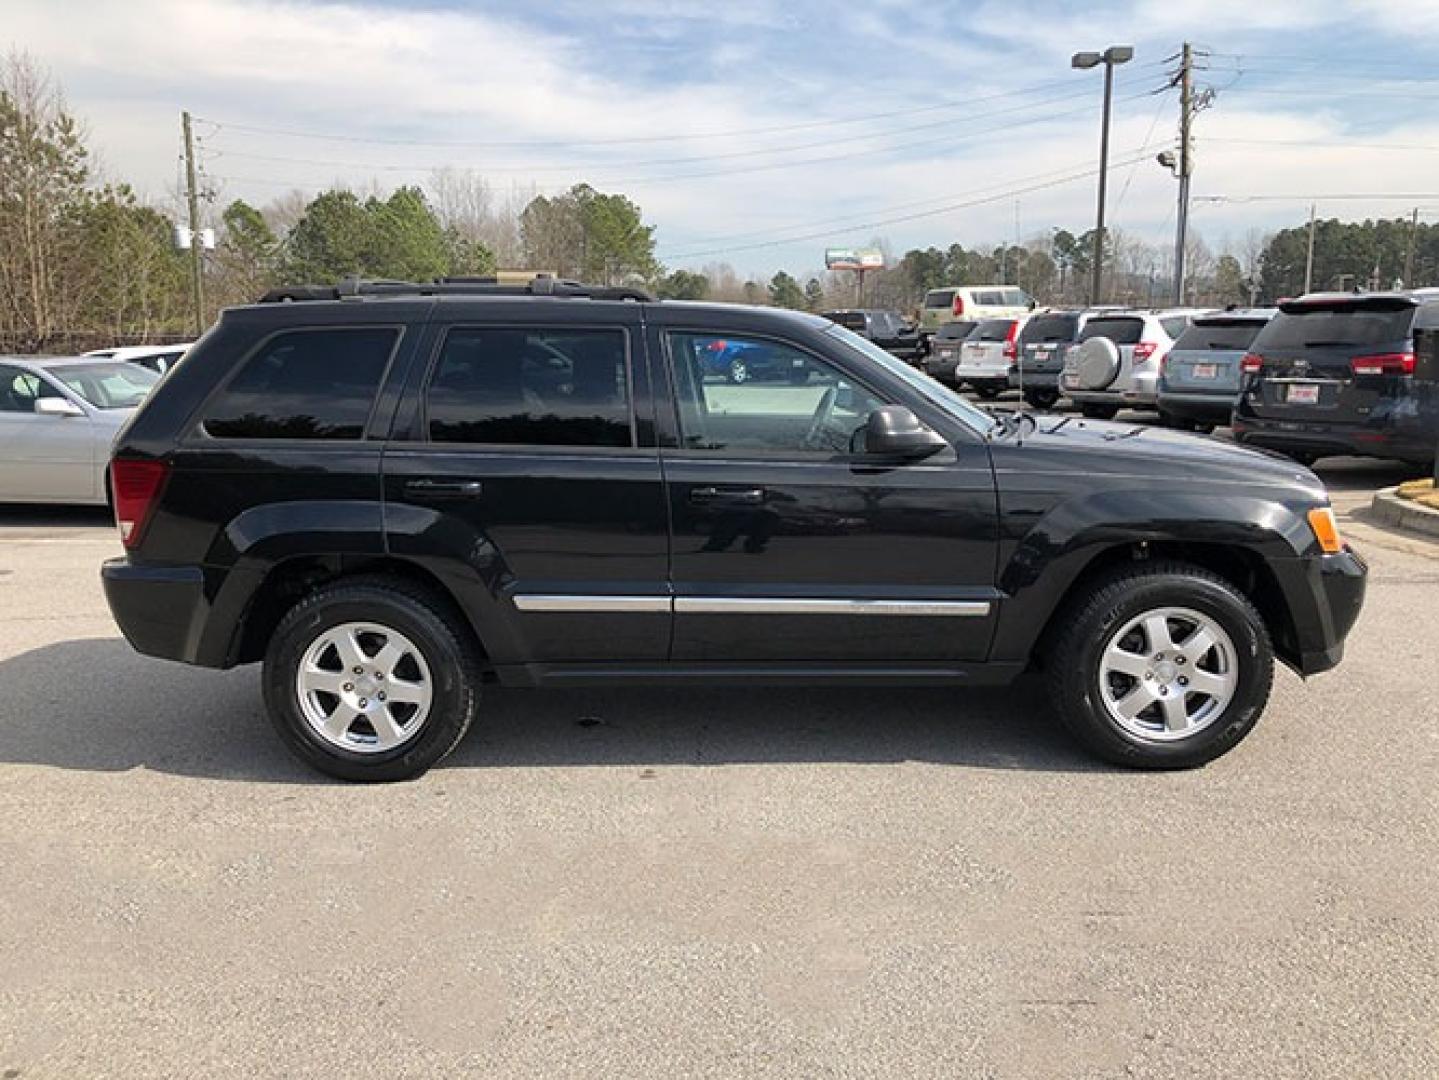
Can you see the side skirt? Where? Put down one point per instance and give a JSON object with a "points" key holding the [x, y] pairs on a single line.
{"points": [[550, 675]]}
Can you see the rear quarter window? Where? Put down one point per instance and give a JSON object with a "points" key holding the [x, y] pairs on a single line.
{"points": [[1121, 331], [1174, 325], [305, 384]]}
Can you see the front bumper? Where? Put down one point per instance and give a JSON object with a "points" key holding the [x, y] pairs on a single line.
{"points": [[1332, 594]]}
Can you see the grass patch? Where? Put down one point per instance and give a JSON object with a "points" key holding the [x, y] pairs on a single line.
{"points": [[1420, 491]]}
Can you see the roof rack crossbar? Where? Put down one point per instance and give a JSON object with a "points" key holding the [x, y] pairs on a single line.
{"points": [[457, 286]]}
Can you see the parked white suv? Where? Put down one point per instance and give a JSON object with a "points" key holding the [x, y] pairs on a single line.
{"points": [[971, 302], [1115, 363], [987, 355]]}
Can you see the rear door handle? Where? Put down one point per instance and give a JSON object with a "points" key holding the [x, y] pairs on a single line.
{"points": [[743, 496], [445, 489]]}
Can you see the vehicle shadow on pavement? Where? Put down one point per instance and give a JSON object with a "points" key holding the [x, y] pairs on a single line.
{"points": [[95, 705], [37, 516]]}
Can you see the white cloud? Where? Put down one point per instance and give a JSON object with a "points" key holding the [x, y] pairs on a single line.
{"points": [[462, 76]]}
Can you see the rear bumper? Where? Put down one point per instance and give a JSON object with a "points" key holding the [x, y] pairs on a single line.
{"points": [[163, 611], [1141, 391], [1208, 408], [1036, 380], [1298, 437]]}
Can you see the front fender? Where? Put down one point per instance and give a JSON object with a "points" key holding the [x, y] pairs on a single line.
{"points": [[1047, 548]]}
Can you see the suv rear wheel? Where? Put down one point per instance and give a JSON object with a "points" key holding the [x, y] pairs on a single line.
{"points": [[1099, 412], [1163, 666], [1045, 398], [371, 679]]}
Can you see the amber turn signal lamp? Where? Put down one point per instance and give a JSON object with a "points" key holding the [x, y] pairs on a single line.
{"points": [[1326, 529]]}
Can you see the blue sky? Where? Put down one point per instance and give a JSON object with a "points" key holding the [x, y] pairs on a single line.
{"points": [[759, 133]]}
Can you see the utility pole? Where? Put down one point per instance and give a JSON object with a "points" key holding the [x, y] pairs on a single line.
{"points": [[192, 196], [1309, 258], [1186, 115], [1409, 255]]}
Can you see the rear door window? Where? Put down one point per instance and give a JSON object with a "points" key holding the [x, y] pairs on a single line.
{"points": [[1120, 330], [1219, 336], [532, 387], [305, 384], [1351, 327]]}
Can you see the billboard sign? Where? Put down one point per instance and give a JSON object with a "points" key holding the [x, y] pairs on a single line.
{"points": [[853, 259]]}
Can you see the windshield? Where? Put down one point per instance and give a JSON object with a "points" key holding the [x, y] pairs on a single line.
{"points": [[1049, 328], [1121, 331], [107, 385], [946, 399], [1352, 326], [1233, 336]]}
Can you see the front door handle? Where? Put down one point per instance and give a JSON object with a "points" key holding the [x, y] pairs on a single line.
{"points": [[742, 496], [445, 489]]}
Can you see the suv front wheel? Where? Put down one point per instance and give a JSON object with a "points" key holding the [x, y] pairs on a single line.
{"points": [[1163, 666], [371, 679]]}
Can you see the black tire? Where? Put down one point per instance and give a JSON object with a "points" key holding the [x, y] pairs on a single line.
{"points": [[1302, 457], [1093, 617], [1099, 412], [1178, 423], [1041, 399], [449, 651], [987, 392]]}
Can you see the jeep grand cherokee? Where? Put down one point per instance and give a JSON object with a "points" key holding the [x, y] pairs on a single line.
{"points": [[392, 494]]}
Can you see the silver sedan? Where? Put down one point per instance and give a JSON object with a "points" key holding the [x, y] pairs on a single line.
{"points": [[58, 419]]}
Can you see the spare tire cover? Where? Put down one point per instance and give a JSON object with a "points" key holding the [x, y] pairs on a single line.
{"points": [[1097, 363]]}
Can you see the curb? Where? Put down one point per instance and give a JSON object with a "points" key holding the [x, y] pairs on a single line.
{"points": [[1389, 508]]}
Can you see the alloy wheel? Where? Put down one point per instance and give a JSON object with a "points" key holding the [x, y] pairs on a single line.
{"points": [[364, 687]]}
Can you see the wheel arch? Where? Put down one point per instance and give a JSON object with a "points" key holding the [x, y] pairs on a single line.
{"points": [[1243, 567], [288, 581]]}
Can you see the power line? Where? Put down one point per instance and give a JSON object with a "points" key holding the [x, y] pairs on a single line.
{"points": [[731, 155], [948, 103], [900, 219], [771, 166]]}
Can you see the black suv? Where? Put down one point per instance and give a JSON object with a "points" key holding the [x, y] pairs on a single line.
{"points": [[887, 329], [393, 494], [1345, 373]]}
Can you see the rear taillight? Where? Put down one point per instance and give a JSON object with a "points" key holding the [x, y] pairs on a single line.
{"points": [[1252, 364], [958, 306], [1011, 345], [135, 486], [1144, 350], [717, 346], [1399, 363]]}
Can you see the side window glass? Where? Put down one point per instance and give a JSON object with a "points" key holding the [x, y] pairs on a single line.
{"points": [[16, 392], [305, 384], [753, 395], [541, 387]]}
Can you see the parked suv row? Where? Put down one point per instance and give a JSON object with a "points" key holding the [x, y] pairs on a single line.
{"points": [[1345, 373], [394, 494]]}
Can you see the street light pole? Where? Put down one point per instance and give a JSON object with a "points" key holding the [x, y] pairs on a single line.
{"points": [[1110, 58]]}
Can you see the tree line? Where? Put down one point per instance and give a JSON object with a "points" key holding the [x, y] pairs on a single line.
{"points": [[84, 261]]}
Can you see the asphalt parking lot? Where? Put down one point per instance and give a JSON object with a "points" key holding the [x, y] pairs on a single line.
{"points": [[783, 883]]}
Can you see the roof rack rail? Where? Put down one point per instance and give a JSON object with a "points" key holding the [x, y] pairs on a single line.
{"points": [[543, 285]]}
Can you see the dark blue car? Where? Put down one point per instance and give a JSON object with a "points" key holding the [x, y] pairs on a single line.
{"points": [[742, 361]]}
